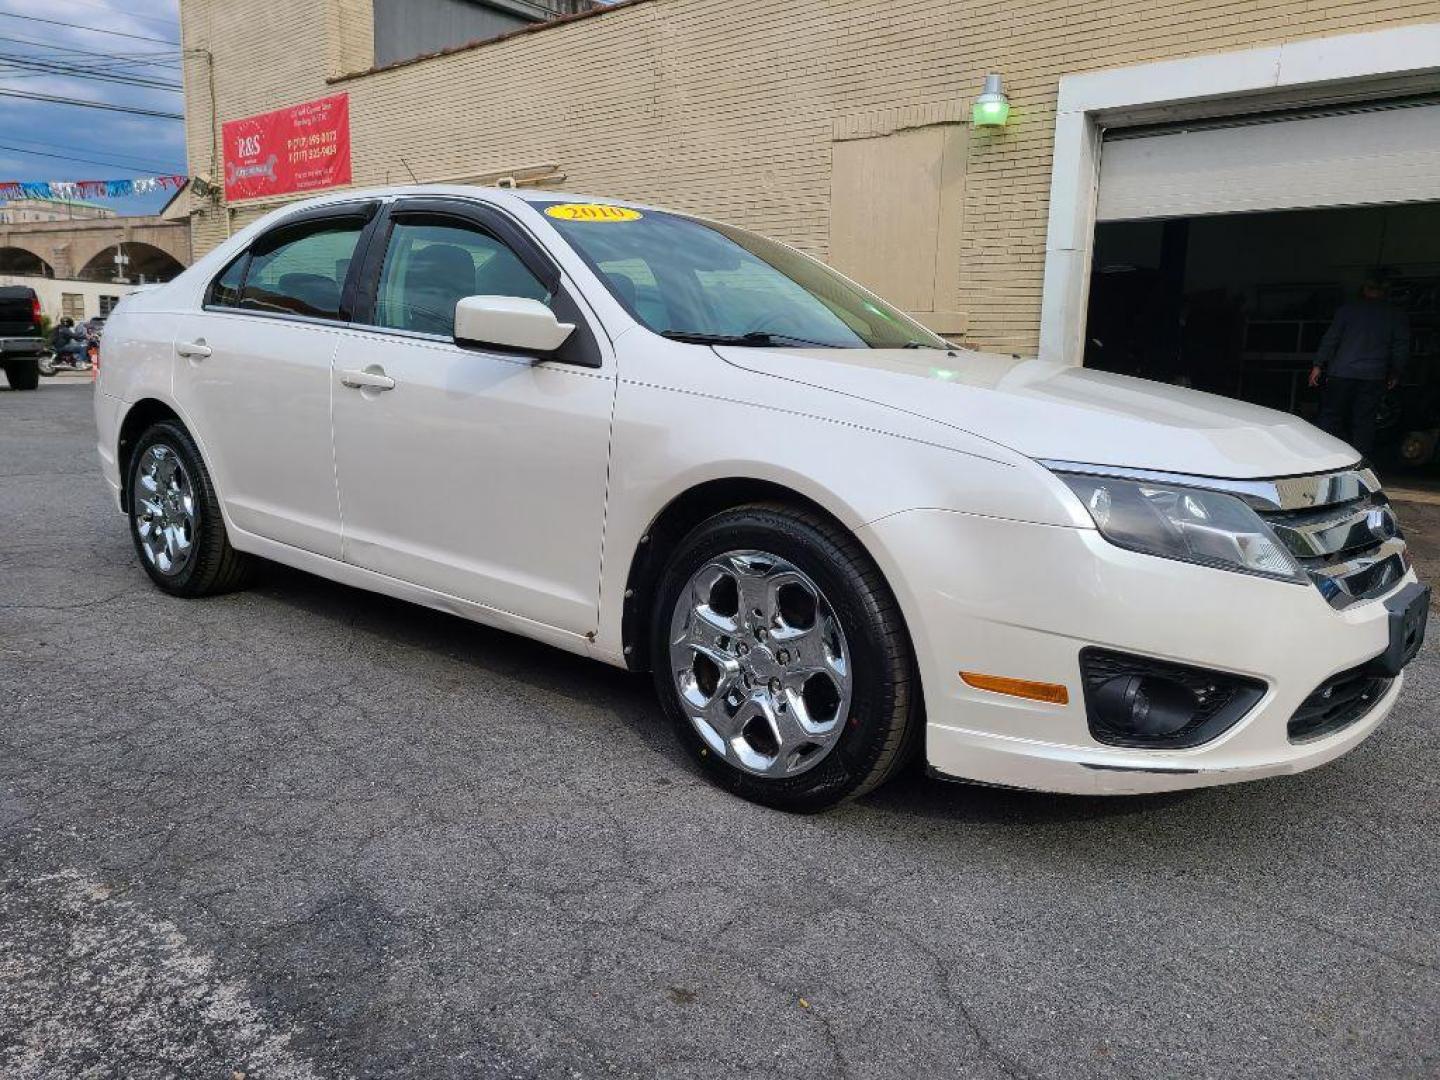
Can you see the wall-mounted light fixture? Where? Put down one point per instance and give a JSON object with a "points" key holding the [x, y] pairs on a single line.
{"points": [[992, 107]]}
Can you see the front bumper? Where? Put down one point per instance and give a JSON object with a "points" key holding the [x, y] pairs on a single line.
{"points": [[1021, 600]]}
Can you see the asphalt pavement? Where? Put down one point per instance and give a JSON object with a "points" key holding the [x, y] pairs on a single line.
{"points": [[308, 832]]}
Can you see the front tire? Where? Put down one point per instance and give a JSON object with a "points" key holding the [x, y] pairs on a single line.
{"points": [[23, 374], [781, 657], [175, 519]]}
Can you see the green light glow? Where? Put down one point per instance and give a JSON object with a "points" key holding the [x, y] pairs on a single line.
{"points": [[991, 113]]}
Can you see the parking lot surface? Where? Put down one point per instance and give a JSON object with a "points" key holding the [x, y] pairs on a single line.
{"points": [[309, 832]]}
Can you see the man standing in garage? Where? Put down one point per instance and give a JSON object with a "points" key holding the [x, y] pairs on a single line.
{"points": [[1364, 352]]}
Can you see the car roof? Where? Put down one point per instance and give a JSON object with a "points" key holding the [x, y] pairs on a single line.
{"points": [[492, 194], [533, 195]]}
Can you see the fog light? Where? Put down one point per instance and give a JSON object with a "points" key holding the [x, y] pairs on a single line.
{"points": [[1137, 701], [1149, 707]]}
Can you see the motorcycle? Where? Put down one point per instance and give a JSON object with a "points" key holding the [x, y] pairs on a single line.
{"points": [[53, 360]]}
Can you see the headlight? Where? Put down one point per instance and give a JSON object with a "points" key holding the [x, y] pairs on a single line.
{"points": [[1189, 524]]}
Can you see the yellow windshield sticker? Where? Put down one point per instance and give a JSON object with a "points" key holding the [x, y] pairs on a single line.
{"points": [[593, 212]]}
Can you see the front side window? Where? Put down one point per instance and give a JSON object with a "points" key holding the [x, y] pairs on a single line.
{"points": [[304, 272], [432, 264], [694, 280]]}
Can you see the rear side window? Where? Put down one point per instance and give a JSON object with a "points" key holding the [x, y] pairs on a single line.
{"points": [[225, 289], [302, 271]]}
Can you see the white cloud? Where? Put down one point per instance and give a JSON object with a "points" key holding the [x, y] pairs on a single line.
{"points": [[103, 18]]}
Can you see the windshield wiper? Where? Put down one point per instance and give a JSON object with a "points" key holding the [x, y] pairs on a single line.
{"points": [[695, 337], [756, 339]]}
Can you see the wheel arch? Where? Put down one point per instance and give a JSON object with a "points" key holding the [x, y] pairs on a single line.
{"points": [[138, 419], [674, 521]]}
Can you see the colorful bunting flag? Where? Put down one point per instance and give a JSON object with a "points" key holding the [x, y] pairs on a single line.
{"points": [[70, 190]]}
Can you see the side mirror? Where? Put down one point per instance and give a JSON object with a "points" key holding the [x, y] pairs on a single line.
{"points": [[509, 322]]}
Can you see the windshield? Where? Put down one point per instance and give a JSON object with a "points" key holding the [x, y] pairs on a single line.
{"points": [[713, 284]]}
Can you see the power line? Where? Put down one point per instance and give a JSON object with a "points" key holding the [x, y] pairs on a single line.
{"points": [[50, 67], [128, 14], [106, 106], [116, 67], [90, 161], [11, 70], [125, 161], [89, 29], [108, 80], [90, 67], [148, 59]]}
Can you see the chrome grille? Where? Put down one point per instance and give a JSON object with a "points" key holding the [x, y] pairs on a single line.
{"points": [[1341, 529]]}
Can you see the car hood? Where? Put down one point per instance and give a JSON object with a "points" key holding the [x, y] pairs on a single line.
{"points": [[1054, 411]]}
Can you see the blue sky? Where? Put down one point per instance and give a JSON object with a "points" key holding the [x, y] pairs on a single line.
{"points": [[114, 145]]}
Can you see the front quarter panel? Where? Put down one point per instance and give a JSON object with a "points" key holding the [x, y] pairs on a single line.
{"points": [[684, 417]]}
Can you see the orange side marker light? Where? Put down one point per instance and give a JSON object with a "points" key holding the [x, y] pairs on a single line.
{"points": [[1051, 693]]}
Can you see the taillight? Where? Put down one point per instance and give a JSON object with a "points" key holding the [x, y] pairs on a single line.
{"points": [[35, 310]]}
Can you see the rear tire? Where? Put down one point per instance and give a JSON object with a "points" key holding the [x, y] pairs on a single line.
{"points": [[175, 521], [780, 655], [23, 374]]}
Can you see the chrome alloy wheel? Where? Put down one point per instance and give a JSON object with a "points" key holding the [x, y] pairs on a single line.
{"points": [[164, 510], [761, 664]]}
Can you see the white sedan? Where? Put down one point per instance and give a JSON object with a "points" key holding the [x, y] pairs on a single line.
{"points": [[837, 541]]}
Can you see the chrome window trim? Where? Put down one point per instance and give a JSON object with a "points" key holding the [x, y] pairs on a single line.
{"points": [[1303, 492], [277, 316]]}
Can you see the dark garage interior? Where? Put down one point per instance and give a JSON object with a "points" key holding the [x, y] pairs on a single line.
{"points": [[1237, 304]]}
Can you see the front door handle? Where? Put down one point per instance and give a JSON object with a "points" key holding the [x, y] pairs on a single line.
{"points": [[193, 350], [372, 378]]}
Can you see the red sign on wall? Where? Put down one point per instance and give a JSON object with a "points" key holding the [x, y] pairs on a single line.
{"points": [[302, 148]]}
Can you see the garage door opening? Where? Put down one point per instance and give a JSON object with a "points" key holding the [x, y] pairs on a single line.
{"points": [[1238, 304], [1223, 252]]}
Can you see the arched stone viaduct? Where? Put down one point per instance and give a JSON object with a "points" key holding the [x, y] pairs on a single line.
{"points": [[73, 249]]}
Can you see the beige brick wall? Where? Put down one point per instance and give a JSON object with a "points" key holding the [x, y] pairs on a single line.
{"points": [[256, 56], [729, 107]]}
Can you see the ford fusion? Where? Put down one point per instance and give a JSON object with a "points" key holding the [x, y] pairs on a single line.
{"points": [[837, 542]]}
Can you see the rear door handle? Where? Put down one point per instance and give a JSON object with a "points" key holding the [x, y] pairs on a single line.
{"points": [[193, 350], [369, 379]]}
